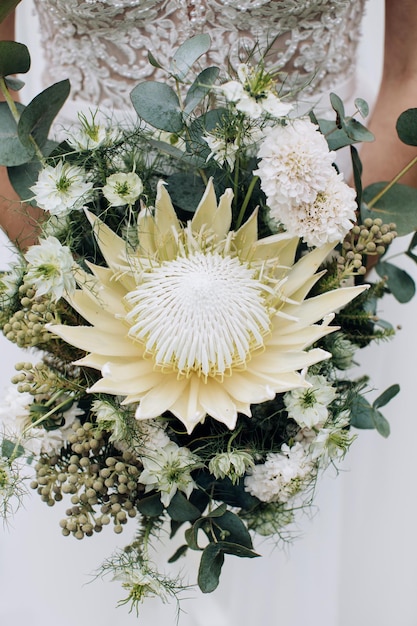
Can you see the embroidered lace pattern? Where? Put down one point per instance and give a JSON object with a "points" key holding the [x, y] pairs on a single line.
{"points": [[102, 45]]}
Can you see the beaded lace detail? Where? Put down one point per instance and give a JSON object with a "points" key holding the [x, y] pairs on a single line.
{"points": [[102, 45]]}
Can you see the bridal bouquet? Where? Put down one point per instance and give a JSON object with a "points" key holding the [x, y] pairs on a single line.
{"points": [[191, 309]]}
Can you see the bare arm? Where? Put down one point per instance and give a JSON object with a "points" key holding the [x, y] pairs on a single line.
{"points": [[17, 220], [387, 156]]}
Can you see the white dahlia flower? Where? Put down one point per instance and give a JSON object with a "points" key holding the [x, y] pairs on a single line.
{"points": [[200, 320]]}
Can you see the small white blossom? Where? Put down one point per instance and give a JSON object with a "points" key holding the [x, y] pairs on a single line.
{"points": [[168, 470], [282, 476], [222, 151], [110, 418], [232, 465], [308, 407], [122, 188], [332, 442], [50, 268], [152, 435], [91, 134], [62, 188], [295, 165]]}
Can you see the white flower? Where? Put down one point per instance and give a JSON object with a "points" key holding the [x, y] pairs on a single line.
{"points": [[122, 188], [168, 470], [308, 407], [110, 418], [222, 151], [332, 442], [6, 479], [91, 134], [62, 188], [9, 283], [14, 409], [252, 94], [141, 583], [152, 435], [231, 464], [50, 267], [328, 219], [295, 165], [282, 476]]}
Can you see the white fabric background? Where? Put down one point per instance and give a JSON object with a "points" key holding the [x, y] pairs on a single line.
{"points": [[355, 564]]}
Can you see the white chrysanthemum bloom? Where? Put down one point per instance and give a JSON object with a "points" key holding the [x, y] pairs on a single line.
{"points": [[308, 407], [295, 165], [252, 94], [122, 188], [50, 268], [62, 188], [232, 465], [14, 409], [329, 218], [152, 435], [200, 320], [283, 475], [168, 470]]}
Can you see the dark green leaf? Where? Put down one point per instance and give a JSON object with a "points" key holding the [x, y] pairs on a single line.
{"points": [[151, 505], [386, 396], [237, 550], [7, 6], [181, 510], [407, 127], [411, 246], [361, 413], [336, 137], [381, 424], [153, 61], [158, 104], [14, 58], [400, 284], [398, 205], [178, 554], [191, 534], [337, 105], [210, 568], [185, 157], [358, 132], [15, 84], [200, 88], [12, 151], [357, 173], [186, 191], [229, 527], [362, 106], [38, 116], [188, 53], [219, 511], [23, 177], [9, 449]]}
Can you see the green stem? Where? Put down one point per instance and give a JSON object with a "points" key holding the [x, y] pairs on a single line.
{"points": [[388, 186], [246, 201]]}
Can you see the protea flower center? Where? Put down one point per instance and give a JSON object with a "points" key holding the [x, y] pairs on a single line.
{"points": [[204, 313]]}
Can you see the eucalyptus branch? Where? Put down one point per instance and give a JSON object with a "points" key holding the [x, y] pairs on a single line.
{"points": [[395, 180]]}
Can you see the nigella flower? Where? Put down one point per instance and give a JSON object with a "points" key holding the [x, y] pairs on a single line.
{"points": [[91, 134], [168, 470], [49, 270], [62, 188], [232, 465], [122, 188], [200, 320], [308, 407]]}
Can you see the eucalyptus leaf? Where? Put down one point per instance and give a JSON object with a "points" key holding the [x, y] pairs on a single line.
{"points": [[186, 191], [230, 526], [158, 104], [407, 127], [400, 284], [411, 246], [237, 550], [336, 137], [12, 151], [386, 396], [381, 424], [37, 118], [358, 132], [178, 553], [191, 534], [219, 511], [362, 106], [361, 413], [151, 506], [153, 61], [181, 510], [15, 84], [398, 205], [200, 88], [10, 449], [6, 7], [337, 105], [210, 568], [14, 58], [188, 53], [23, 177], [357, 173]]}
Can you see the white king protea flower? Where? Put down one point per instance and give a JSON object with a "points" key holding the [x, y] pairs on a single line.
{"points": [[200, 320]]}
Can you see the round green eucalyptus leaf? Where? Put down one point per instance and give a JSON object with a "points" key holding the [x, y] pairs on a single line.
{"points": [[158, 104], [407, 127], [39, 114], [12, 151], [188, 53], [15, 84], [362, 106], [337, 105], [210, 568], [400, 284], [398, 205], [200, 88], [14, 58]]}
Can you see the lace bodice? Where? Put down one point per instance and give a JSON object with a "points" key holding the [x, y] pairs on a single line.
{"points": [[102, 45]]}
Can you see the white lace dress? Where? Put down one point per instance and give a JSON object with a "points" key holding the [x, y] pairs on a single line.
{"points": [[102, 47]]}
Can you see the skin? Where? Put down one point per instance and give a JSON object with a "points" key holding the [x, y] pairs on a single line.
{"points": [[382, 160]]}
